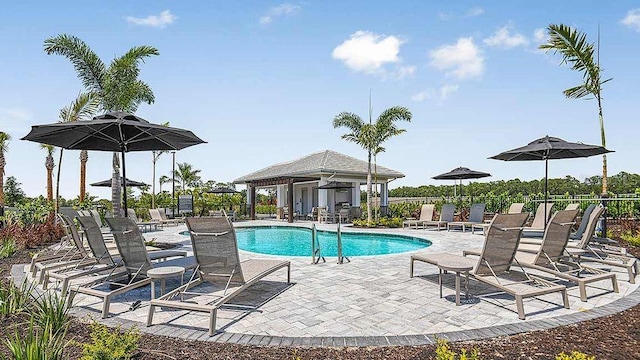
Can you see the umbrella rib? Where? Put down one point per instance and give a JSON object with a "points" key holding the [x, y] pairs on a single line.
{"points": [[150, 136], [96, 133]]}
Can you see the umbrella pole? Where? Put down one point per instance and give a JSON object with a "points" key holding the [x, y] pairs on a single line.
{"points": [[124, 183], [546, 179]]}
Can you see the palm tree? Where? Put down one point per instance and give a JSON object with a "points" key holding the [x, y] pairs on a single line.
{"points": [[186, 175], [385, 128], [164, 179], [579, 54], [155, 156], [4, 147], [82, 108], [49, 164], [117, 85], [370, 136]]}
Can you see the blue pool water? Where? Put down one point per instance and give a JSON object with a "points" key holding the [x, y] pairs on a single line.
{"points": [[291, 241]]}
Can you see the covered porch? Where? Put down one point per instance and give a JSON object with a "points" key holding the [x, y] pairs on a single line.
{"points": [[297, 183]]}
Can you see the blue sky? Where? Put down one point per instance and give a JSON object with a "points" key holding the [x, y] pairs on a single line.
{"points": [[261, 81]]}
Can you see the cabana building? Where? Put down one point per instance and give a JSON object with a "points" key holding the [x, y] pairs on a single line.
{"points": [[297, 182]]}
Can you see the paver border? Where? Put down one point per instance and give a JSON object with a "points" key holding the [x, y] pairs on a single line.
{"points": [[614, 307]]}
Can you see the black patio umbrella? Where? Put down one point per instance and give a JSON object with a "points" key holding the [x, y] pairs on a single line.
{"points": [[461, 173], [334, 185], [114, 131], [107, 183], [549, 148], [223, 190]]}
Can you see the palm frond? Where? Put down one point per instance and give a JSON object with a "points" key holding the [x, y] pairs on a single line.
{"points": [[87, 64], [4, 141], [393, 114], [578, 92], [349, 120], [83, 107]]}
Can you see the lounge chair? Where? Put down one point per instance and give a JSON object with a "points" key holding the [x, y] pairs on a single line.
{"points": [[446, 216], [496, 260], [515, 208], [155, 216], [572, 206], [539, 220], [583, 222], [313, 214], [102, 257], [343, 215], [426, 214], [142, 225], [216, 252], [585, 250], [136, 263], [163, 216], [551, 257], [476, 217], [65, 250], [325, 216]]}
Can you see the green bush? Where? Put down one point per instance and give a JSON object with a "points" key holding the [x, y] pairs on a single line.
{"points": [[110, 345], [382, 222], [265, 209], [15, 300], [38, 344], [7, 247], [443, 352], [575, 355], [51, 310], [631, 238]]}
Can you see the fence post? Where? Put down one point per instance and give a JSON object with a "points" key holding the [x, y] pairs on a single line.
{"points": [[603, 201]]}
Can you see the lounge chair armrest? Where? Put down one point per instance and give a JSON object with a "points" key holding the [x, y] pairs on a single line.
{"points": [[511, 228], [208, 234], [123, 232]]}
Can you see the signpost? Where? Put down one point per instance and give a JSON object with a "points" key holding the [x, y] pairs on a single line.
{"points": [[185, 204]]}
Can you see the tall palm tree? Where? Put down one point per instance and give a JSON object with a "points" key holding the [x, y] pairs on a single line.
{"points": [[117, 85], [385, 128], [4, 147], [82, 108], [370, 136], [49, 164], [581, 56], [186, 175]]}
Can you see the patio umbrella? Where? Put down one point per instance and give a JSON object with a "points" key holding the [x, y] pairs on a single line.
{"points": [[334, 185], [107, 183], [223, 190], [114, 131], [549, 148], [461, 173]]}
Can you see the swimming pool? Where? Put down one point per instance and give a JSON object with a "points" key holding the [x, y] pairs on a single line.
{"points": [[292, 241]]}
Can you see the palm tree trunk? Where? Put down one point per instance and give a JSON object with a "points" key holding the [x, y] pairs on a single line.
{"points": [[84, 157], [369, 189], [49, 166], [57, 204], [2, 164], [604, 143], [375, 181], [153, 184], [116, 193]]}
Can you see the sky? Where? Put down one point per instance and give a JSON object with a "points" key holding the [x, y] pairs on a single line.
{"points": [[261, 82]]}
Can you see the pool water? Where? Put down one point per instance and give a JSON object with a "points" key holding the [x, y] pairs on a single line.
{"points": [[291, 241]]}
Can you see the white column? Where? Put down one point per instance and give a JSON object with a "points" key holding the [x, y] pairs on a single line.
{"points": [[281, 197], [384, 194], [355, 194], [322, 193]]}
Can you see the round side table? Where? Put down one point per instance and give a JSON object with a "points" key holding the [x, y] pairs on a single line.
{"points": [[456, 266], [163, 273]]}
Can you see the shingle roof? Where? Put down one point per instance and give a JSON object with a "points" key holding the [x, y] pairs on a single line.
{"points": [[315, 165]]}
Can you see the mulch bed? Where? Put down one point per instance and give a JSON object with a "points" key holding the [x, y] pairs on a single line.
{"points": [[612, 337]]}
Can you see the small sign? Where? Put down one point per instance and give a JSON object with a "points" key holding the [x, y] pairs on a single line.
{"points": [[185, 204]]}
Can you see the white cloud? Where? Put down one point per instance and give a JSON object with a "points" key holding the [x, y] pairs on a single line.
{"points": [[473, 12], [504, 39], [439, 95], [540, 35], [367, 52], [404, 71], [632, 19], [279, 11], [462, 60], [159, 21]]}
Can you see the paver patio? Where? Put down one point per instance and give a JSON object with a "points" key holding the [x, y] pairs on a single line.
{"points": [[370, 301]]}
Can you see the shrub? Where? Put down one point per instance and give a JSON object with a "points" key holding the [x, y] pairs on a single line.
{"points": [[32, 235], [265, 209], [110, 345], [51, 310], [575, 355], [38, 344], [7, 247], [443, 352], [15, 300]]}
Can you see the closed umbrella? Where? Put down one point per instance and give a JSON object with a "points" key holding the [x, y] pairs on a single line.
{"points": [[114, 131], [549, 148], [461, 173]]}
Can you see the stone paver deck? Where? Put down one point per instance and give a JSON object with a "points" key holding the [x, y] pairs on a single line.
{"points": [[370, 301]]}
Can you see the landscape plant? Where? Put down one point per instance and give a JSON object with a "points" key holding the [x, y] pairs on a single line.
{"points": [[109, 344], [116, 86], [583, 57], [39, 343], [4, 147]]}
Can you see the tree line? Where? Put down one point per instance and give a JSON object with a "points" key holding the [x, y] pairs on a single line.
{"points": [[622, 183]]}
